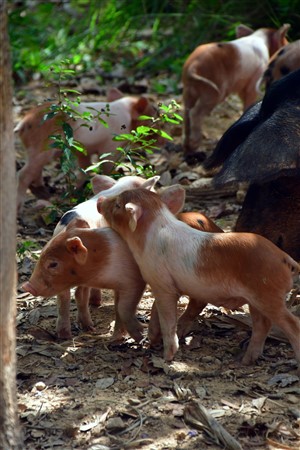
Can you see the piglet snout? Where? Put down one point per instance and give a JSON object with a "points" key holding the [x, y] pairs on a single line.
{"points": [[27, 287]]}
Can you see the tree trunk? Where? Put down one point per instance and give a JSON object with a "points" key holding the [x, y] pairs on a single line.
{"points": [[10, 436]]}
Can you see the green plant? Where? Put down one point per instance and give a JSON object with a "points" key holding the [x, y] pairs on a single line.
{"points": [[133, 156], [156, 36], [141, 142], [65, 110], [27, 248]]}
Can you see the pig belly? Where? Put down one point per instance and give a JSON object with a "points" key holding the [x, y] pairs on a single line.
{"points": [[223, 292], [231, 297]]}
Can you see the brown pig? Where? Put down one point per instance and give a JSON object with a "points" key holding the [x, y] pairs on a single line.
{"points": [[90, 258], [224, 269], [199, 221], [215, 70], [123, 114]]}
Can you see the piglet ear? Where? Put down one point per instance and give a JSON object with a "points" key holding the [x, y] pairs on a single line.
{"points": [[114, 94], [173, 197], [242, 31], [135, 213], [75, 246], [140, 107], [150, 183], [99, 203], [101, 183]]}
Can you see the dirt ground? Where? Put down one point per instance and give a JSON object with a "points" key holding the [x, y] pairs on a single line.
{"points": [[86, 393]]}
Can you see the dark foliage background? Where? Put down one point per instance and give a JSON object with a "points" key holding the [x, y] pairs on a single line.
{"points": [[146, 37]]}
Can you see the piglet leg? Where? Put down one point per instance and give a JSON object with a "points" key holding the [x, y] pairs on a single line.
{"points": [[186, 320], [119, 329], [290, 325], [166, 304], [280, 316], [63, 324], [125, 306], [82, 295], [95, 297], [154, 331], [260, 329]]}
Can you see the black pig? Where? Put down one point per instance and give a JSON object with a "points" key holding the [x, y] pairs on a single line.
{"points": [[272, 210], [263, 148]]}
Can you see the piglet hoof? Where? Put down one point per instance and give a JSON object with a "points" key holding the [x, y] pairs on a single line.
{"points": [[89, 328], [136, 331], [117, 338], [169, 355], [249, 359], [154, 335], [64, 333], [183, 329], [170, 349], [138, 337], [85, 321]]}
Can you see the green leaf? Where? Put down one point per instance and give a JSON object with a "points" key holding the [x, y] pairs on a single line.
{"points": [[49, 116], [73, 91], [145, 118], [163, 134], [123, 137], [142, 129], [68, 131]]}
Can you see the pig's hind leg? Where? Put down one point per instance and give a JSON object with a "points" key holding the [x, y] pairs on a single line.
{"points": [[95, 297], [82, 295], [280, 316], [260, 329], [186, 320], [290, 325], [119, 328]]}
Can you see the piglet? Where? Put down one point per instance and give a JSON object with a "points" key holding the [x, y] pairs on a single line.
{"points": [[123, 114], [283, 62], [225, 269], [215, 70], [90, 258], [87, 213]]}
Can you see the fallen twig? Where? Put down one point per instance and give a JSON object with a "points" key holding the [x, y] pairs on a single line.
{"points": [[198, 416]]}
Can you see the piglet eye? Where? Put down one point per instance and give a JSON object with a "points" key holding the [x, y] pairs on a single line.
{"points": [[52, 265], [117, 205]]}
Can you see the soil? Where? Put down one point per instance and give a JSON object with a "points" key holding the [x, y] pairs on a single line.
{"points": [[86, 393]]}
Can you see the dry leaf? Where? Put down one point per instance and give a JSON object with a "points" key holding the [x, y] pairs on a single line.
{"points": [[104, 383]]}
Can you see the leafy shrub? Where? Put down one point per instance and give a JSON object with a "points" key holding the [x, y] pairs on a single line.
{"points": [[145, 37]]}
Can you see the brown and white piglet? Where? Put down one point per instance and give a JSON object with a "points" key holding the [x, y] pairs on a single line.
{"points": [[87, 213], [90, 258], [122, 116], [224, 269], [215, 70]]}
